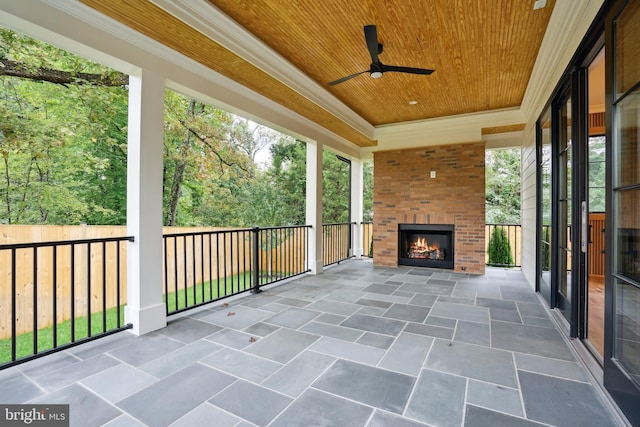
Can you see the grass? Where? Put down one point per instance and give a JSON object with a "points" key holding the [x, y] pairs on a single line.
{"points": [[188, 297], [24, 342], [207, 291]]}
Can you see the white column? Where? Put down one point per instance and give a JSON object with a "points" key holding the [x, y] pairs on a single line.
{"points": [[145, 308], [314, 205], [356, 206]]}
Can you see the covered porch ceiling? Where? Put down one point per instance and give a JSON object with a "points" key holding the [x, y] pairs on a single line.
{"points": [[483, 54]]}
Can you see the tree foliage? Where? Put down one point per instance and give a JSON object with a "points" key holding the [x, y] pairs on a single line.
{"points": [[502, 186], [597, 173], [499, 248], [64, 152], [62, 145]]}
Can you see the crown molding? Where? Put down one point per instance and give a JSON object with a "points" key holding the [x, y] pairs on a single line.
{"points": [[567, 27], [210, 21], [447, 130]]}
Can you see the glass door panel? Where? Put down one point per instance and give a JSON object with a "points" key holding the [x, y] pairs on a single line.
{"points": [[596, 243], [622, 355], [596, 168], [544, 232], [565, 209], [627, 325]]}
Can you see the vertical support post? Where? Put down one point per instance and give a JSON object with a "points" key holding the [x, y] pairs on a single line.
{"points": [[256, 260], [314, 205], [357, 188], [145, 308]]}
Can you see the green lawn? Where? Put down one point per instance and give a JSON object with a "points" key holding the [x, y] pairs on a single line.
{"points": [[207, 291], [24, 342]]}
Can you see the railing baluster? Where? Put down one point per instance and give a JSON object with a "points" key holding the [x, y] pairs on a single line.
{"points": [[513, 243], [166, 274], [118, 323], [235, 276], [224, 245], [88, 289], [336, 242], [55, 296], [218, 264], [104, 286], [14, 310], [175, 271], [35, 300], [202, 266], [210, 269], [52, 313], [185, 268], [193, 269], [73, 293], [238, 267]]}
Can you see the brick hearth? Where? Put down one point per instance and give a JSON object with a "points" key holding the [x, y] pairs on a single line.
{"points": [[404, 192]]}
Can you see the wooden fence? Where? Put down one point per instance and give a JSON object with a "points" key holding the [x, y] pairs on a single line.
{"points": [[96, 263]]}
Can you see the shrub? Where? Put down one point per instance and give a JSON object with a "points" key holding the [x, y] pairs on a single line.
{"points": [[499, 248]]}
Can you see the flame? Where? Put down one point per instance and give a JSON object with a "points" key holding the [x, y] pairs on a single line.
{"points": [[421, 244], [421, 248]]}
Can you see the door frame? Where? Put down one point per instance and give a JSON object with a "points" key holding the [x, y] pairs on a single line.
{"points": [[622, 388], [617, 382]]}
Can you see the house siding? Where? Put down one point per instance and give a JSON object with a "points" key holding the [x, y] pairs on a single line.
{"points": [[528, 203]]}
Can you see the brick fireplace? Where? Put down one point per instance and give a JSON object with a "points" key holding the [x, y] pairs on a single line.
{"points": [[438, 185]]}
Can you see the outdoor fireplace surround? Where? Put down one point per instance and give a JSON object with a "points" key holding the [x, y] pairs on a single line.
{"points": [[426, 245]]}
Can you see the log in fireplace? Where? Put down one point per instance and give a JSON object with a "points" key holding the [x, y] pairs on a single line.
{"points": [[426, 245]]}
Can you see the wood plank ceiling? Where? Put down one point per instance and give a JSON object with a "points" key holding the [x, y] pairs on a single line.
{"points": [[483, 52]]}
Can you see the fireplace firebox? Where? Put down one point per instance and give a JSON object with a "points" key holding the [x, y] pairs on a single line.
{"points": [[426, 245]]}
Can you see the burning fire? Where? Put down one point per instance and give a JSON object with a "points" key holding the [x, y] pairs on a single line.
{"points": [[420, 248]]}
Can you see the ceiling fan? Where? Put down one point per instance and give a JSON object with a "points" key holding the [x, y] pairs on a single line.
{"points": [[377, 68]]}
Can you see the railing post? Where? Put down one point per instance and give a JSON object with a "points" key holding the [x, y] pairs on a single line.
{"points": [[256, 261]]}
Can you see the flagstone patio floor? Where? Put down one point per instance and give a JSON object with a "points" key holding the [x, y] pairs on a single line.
{"points": [[355, 346]]}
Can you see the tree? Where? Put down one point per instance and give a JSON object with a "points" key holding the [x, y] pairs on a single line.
{"points": [[204, 166], [63, 143], [288, 175], [499, 249], [597, 173], [502, 186], [335, 189], [60, 137]]}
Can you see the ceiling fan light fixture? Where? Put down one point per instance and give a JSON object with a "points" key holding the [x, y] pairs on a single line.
{"points": [[377, 68]]}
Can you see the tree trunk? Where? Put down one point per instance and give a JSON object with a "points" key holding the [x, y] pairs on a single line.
{"points": [[176, 190]]}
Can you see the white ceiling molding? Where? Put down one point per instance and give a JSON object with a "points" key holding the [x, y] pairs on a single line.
{"points": [[448, 130], [210, 21], [503, 140], [569, 23]]}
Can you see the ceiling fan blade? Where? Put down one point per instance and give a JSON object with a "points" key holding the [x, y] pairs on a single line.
{"points": [[409, 70], [371, 36], [344, 79]]}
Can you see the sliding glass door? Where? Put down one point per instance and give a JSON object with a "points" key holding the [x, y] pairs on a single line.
{"points": [[544, 205], [565, 205], [622, 320]]}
